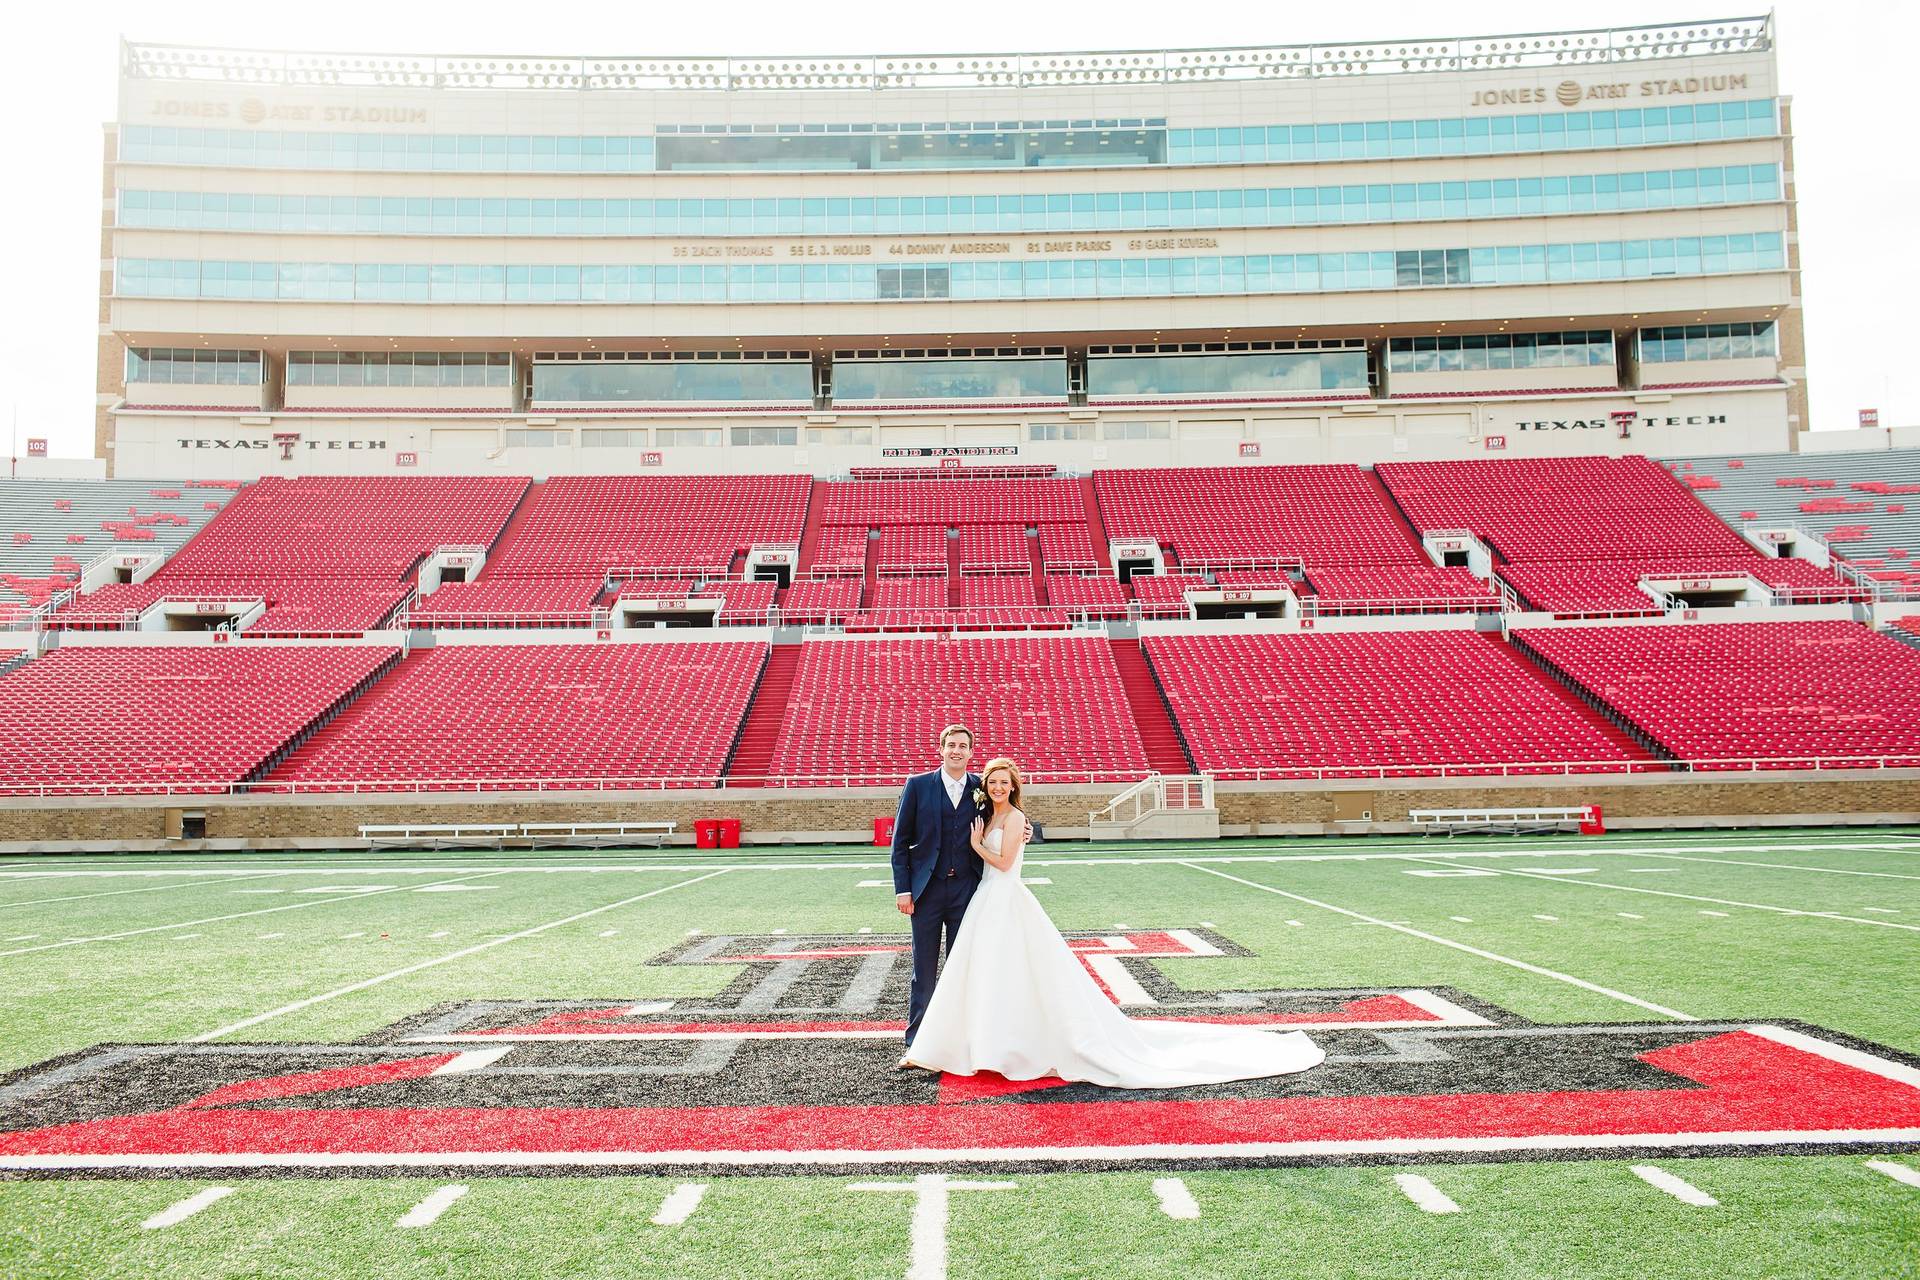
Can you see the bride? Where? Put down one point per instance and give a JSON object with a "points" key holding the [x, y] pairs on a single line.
{"points": [[1013, 999]]}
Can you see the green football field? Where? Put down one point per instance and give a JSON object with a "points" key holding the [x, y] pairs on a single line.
{"points": [[1520, 941]]}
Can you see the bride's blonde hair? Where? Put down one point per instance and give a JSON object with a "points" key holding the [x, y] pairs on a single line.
{"points": [[1013, 774]]}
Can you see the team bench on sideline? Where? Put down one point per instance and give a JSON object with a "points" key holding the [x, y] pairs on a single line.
{"points": [[500, 834], [1428, 821]]}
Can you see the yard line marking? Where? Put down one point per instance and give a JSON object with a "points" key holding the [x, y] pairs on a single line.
{"points": [[24, 937], [1695, 897], [1723, 915], [930, 1211], [1548, 918], [1628, 915], [472, 1060], [1173, 856], [679, 1205], [1175, 1200], [1430, 1198], [1679, 1188], [1770, 866], [156, 888], [1461, 919], [461, 954], [424, 1213], [1882, 1067], [1898, 1172], [1523, 965], [185, 1209], [1885, 911], [188, 924]]}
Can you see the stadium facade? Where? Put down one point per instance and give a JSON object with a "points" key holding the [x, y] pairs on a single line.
{"points": [[1561, 244]]}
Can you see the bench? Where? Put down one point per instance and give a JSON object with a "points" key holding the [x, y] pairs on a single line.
{"points": [[654, 833], [437, 835], [1515, 821], [499, 834]]}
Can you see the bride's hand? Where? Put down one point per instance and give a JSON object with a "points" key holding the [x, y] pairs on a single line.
{"points": [[979, 835]]}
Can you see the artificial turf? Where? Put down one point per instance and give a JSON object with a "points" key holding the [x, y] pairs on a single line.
{"points": [[187, 953]]}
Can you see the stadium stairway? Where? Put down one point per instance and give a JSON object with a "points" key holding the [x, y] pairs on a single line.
{"points": [[1096, 524], [753, 753], [1039, 572], [954, 599], [1588, 704], [1165, 750], [809, 533], [515, 520], [870, 574], [1392, 503]]}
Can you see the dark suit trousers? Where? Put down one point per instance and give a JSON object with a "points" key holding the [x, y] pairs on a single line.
{"points": [[935, 912]]}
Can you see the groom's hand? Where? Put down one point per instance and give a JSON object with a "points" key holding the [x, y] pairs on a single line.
{"points": [[904, 901]]}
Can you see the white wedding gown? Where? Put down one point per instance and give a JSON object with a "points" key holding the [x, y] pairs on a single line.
{"points": [[1013, 999]]}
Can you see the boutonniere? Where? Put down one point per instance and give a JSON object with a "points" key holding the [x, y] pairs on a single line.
{"points": [[979, 798]]}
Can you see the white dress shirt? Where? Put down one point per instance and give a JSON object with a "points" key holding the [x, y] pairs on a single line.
{"points": [[955, 786]]}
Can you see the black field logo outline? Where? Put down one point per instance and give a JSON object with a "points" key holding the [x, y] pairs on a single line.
{"points": [[787, 1068]]}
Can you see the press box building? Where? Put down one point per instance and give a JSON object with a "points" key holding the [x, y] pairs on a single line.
{"points": [[1580, 242]]}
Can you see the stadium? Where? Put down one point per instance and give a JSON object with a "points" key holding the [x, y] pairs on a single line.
{"points": [[1369, 488]]}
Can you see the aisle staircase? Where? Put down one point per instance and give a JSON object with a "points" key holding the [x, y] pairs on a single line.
{"points": [[753, 754], [1165, 751]]}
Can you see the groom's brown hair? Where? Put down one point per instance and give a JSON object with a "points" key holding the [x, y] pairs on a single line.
{"points": [[953, 729]]}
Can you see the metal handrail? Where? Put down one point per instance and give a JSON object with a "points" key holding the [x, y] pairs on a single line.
{"points": [[1526, 770], [1470, 54]]}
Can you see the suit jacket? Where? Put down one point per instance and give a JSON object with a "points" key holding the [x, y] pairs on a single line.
{"points": [[917, 831]]}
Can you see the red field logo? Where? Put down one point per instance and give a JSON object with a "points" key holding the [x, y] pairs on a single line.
{"points": [[789, 1068]]}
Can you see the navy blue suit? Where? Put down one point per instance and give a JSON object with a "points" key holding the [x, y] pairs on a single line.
{"points": [[933, 859]]}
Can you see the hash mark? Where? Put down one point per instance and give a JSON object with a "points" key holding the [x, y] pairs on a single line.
{"points": [[185, 1209], [1423, 1193], [680, 1204], [1898, 1172], [1628, 915], [1175, 1200], [1679, 1188], [1539, 917], [424, 1213]]}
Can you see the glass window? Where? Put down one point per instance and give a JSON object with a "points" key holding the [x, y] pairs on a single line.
{"points": [[754, 436], [950, 379], [1040, 431], [730, 381], [1137, 431], [1252, 373], [689, 437], [534, 437]]}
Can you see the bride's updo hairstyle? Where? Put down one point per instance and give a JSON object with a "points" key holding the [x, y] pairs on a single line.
{"points": [[1013, 773]]}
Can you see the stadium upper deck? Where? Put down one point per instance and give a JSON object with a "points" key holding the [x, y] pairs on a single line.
{"points": [[1543, 244]]}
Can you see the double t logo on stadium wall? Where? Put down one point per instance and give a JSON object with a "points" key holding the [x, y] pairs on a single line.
{"points": [[787, 1069]]}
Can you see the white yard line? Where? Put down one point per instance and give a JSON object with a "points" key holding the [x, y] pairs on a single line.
{"points": [[1696, 897], [428, 1210], [185, 1209], [155, 888], [1175, 1200], [375, 981], [679, 1205], [1172, 855], [1772, 866], [931, 1192], [1523, 965], [1898, 1172], [237, 915], [1430, 1198], [1679, 1188]]}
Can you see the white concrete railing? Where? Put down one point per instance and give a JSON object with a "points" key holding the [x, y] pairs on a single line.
{"points": [[1472, 54], [1152, 794], [1528, 771]]}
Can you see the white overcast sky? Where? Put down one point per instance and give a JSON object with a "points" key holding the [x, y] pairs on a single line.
{"points": [[1850, 68]]}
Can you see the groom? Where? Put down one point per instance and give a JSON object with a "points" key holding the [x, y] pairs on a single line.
{"points": [[935, 869]]}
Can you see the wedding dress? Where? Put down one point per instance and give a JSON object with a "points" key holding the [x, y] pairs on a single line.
{"points": [[1013, 999]]}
